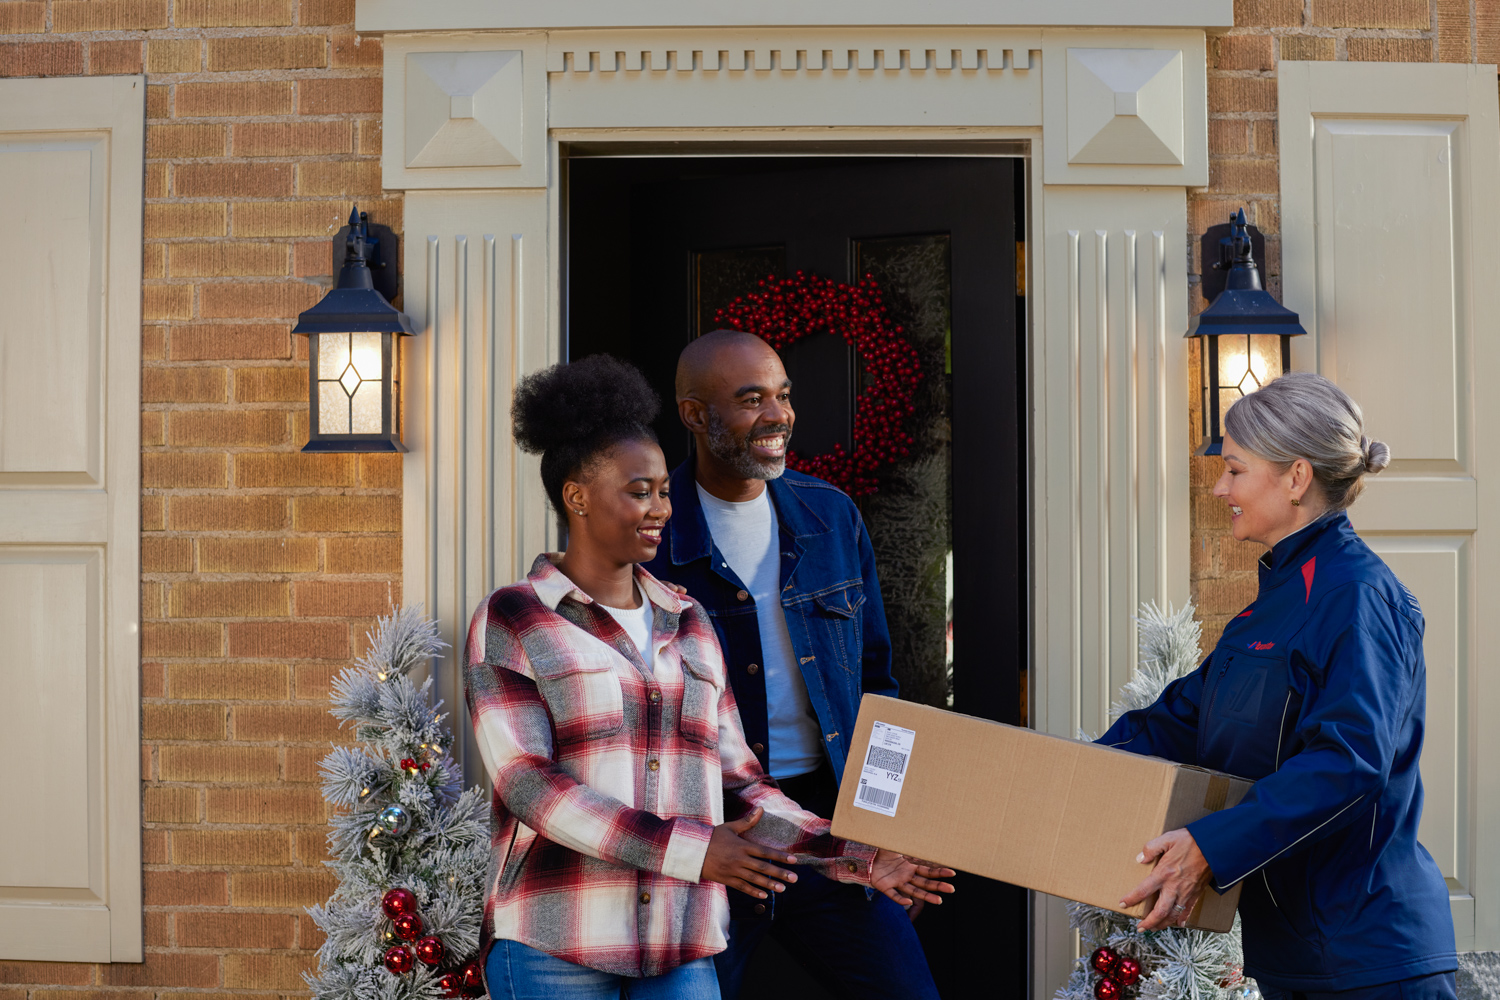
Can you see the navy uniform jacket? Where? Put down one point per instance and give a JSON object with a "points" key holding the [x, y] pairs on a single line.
{"points": [[1317, 692]]}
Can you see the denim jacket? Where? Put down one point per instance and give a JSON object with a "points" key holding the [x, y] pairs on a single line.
{"points": [[830, 595]]}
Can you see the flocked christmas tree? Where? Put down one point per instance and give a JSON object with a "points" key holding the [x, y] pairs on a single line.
{"points": [[1178, 963], [410, 847]]}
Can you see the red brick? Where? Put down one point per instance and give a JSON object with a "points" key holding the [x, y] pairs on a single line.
{"points": [[228, 599], [151, 601], [153, 428], [184, 385], [312, 259], [51, 973], [154, 847], [239, 180], [302, 764], [153, 678], [289, 640], [1371, 14], [289, 218], [309, 936], [271, 385], [221, 681], [166, 555], [221, 260], [233, 13], [108, 15], [184, 888], [371, 134], [364, 514], [178, 55], [1308, 48], [153, 513], [282, 889], [235, 930], [176, 470], [258, 52], [258, 555], [1228, 136], [1242, 176], [314, 681], [231, 428], [1409, 50], [232, 342], [164, 969], [182, 141], [292, 138], [114, 58], [281, 723], [326, 12], [169, 804], [182, 639], [339, 177], [259, 300], [272, 469], [380, 472], [219, 100], [356, 50], [23, 18], [41, 59], [166, 301], [183, 722], [158, 105], [153, 343], [219, 764], [324, 599], [364, 555], [339, 96], [262, 971], [1241, 93], [1243, 52], [255, 513], [231, 847], [265, 806], [1267, 13], [158, 935], [312, 847]]}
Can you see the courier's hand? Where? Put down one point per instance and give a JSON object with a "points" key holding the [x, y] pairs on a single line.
{"points": [[735, 861], [906, 879], [1180, 876]]}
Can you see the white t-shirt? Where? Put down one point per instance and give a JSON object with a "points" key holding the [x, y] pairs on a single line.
{"points": [[637, 624], [747, 535]]}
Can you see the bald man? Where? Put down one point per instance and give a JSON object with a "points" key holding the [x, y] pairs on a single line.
{"points": [[783, 564]]}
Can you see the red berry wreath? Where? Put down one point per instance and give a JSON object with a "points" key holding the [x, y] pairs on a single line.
{"points": [[786, 310]]}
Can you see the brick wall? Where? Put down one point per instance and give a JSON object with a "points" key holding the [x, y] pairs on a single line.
{"points": [[262, 567], [1243, 172]]}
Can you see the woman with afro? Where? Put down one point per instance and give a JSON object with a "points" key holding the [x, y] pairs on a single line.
{"points": [[601, 707]]}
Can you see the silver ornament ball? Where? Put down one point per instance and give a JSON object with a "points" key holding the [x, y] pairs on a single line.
{"points": [[394, 820]]}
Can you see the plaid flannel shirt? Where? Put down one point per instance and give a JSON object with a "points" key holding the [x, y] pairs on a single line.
{"points": [[609, 779]]}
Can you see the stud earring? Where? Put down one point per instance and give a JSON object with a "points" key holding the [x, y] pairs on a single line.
{"points": [[1296, 502]]}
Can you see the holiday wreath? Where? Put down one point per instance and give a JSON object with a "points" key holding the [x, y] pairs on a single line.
{"points": [[787, 309]]}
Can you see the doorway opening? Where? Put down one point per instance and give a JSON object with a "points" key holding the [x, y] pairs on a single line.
{"points": [[656, 246]]}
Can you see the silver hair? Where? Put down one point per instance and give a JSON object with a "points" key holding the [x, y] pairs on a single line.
{"points": [[1304, 415]]}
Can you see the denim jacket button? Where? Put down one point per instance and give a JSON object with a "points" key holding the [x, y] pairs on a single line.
{"points": [[753, 669], [743, 595], [758, 747]]}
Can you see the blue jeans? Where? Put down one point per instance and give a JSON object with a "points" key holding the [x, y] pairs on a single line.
{"points": [[1439, 986], [857, 943], [515, 971]]}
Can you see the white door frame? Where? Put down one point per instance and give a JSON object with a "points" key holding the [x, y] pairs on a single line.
{"points": [[1108, 281]]}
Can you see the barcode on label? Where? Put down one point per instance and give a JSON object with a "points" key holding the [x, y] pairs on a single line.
{"points": [[883, 799], [886, 760]]}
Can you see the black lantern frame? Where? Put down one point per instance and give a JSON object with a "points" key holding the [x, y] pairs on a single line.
{"points": [[354, 357], [1247, 337]]}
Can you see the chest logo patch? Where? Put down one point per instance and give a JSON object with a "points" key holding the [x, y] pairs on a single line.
{"points": [[1260, 645]]}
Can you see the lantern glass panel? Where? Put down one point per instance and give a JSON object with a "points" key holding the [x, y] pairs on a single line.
{"points": [[333, 354], [1265, 358], [333, 408], [1228, 396], [365, 355], [365, 408]]}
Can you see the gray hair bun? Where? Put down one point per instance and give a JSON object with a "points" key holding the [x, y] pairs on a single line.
{"points": [[1377, 455]]}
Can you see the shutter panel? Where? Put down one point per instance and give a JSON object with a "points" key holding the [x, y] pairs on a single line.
{"points": [[71, 156], [1389, 177]]}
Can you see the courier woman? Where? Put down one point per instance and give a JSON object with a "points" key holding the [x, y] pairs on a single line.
{"points": [[602, 712], [1316, 692]]}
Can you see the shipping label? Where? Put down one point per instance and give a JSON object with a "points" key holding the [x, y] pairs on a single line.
{"points": [[884, 769]]}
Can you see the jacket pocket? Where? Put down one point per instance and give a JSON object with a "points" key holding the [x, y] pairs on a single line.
{"points": [[842, 603], [698, 719], [583, 697]]}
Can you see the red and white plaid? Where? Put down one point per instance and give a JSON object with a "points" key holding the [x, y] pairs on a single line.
{"points": [[609, 779]]}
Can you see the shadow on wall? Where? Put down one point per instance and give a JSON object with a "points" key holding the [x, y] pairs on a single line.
{"points": [[1479, 975]]}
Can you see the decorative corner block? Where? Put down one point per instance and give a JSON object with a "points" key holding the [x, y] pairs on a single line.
{"points": [[463, 109], [1125, 106]]}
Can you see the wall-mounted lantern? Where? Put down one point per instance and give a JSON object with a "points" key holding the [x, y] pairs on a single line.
{"points": [[354, 359], [1247, 336]]}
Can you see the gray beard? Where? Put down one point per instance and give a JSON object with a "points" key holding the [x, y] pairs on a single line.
{"points": [[735, 452]]}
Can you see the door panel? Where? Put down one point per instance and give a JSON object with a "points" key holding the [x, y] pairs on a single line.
{"points": [[71, 158], [1388, 184]]}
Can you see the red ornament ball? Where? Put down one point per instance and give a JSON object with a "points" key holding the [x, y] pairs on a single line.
{"points": [[1104, 961], [399, 959], [473, 977], [452, 985], [397, 902], [408, 926], [1128, 971], [408, 764], [1108, 989], [430, 950]]}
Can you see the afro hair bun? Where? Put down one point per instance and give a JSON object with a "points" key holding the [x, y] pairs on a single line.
{"points": [[575, 402]]}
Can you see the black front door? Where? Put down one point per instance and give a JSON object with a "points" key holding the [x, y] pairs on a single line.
{"points": [[656, 247]]}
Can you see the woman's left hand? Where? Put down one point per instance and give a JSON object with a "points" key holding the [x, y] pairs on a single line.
{"points": [[904, 879], [1180, 876]]}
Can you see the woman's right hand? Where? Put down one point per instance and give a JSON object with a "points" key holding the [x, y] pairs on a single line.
{"points": [[736, 862]]}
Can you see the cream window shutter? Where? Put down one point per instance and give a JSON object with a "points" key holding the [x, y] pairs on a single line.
{"points": [[71, 155], [1390, 187]]}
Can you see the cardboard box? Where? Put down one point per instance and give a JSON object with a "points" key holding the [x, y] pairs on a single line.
{"points": [[1040, 811]]}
